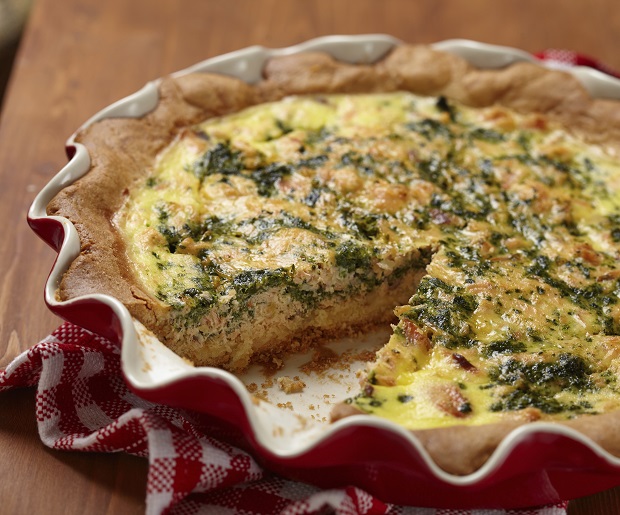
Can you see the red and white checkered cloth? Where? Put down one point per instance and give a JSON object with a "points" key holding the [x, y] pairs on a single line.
{"points": [[83, 404], [562, 59]]}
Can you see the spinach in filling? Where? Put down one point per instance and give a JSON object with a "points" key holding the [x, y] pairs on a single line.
{"points": [[444, 308], [537, 384]]}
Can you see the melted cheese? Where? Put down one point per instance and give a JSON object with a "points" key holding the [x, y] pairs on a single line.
{"points": [[516, 221]]}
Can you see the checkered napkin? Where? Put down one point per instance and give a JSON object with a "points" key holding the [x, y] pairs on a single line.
{"points": [[562, 59], [83, 404]]}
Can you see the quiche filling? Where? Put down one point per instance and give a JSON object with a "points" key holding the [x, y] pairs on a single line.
{"points": [[318, 213]]}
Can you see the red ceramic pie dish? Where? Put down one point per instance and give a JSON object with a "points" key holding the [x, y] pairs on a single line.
{"points": [[535, 464]]}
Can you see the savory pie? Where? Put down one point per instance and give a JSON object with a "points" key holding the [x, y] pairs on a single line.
{"points": [[239, 222]]}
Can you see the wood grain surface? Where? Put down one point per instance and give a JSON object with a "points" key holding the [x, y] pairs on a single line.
{"points": [[77, 56]]}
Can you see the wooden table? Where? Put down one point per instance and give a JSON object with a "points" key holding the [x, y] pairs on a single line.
{"points": [[77, 56]]}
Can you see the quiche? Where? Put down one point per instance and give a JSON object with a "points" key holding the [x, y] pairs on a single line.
{"points": [[478, 211]]}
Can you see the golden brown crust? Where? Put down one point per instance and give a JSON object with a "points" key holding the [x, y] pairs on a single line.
{"points": [[122, 151], [425, 71], [319, 73]]}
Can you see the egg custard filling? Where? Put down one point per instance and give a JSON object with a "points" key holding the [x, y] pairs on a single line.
{"points": [[494, 235]]}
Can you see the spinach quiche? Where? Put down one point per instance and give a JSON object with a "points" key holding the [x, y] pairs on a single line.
{"points": [[478, 211]]}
